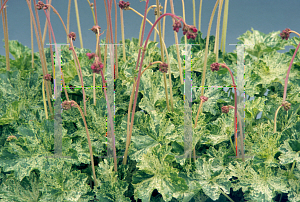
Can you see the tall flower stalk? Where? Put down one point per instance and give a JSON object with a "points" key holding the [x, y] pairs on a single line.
{"points": [[206, 48], [72, 37], [42, 55], [185, 27], [78, 23], [5, 31], [67, 105], [285, 34], [224, 28], [216, 51], [177, 47], [56, 50], [200, 10], [215, 67]]}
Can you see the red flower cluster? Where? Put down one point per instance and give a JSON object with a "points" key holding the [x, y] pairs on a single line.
{"points": [[91, 55], [176, 26], [124, 5], [285, 34], [69, 104], [47, 77], [95, 28], [215, 66], [163, 67], [203, 98], [286, 105], [190, 31], [72, 35], [97, 66], [40, 5], [225, 109]]}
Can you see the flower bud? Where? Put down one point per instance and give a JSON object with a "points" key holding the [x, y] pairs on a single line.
{"points": [[286, 105], [47, 77], [124, 5], [72, 35], [203, 98], [285, 34], [163, 67], [225, 109], [215, 66], [91, 55], [40, 5], [11, 137], [95, 28]]}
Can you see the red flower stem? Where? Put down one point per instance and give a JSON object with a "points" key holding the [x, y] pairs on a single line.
{"points": [[3, 6], [235, 107], [288, 73], [111, 122], [81, 78], [56, 50]]}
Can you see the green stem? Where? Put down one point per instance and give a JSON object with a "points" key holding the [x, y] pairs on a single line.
{"points": [[183, 17], [177, 47], [68, 20], [41, 52], [123, 34], [200, 9], [206, 48], [44, 100], [164, 20], [194, 13], [224, 29], [78, 23], [275, 118], [226, 195], [218, 31]]}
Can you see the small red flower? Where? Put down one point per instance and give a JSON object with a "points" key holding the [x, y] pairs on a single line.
{"points": [[40, 5], [215, 66], [286, 105], [203, 98], [91, 55], [124, 5], [72, 35], [285, 34], [225, 109], [163, 67], [95, 28], [47, 77]]}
